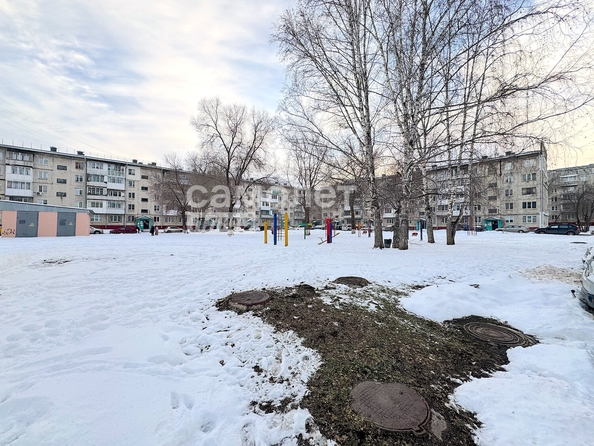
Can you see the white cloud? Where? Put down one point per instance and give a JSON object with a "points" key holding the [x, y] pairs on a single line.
{"points": [[125, 77]]}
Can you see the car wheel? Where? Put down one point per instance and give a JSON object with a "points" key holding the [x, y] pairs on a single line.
{"points": [[521, 232], [97, 232], [570, 233]]}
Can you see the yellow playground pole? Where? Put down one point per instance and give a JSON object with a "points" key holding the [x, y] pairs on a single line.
{"points": [[286, 229], [265, 232]]}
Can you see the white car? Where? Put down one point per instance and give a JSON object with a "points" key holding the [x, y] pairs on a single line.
{"points": [[94, 230], [514, 228], [174, 229]]}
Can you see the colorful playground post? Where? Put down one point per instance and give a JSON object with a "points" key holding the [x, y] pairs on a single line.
{"points": [[286, 229], [328, 230], [274, 230], [265, 232]]}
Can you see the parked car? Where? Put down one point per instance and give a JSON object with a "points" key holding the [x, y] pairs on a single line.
{"points": [[174, 229], [559, 229], [514, 228], [94, 230], [124, 230]]}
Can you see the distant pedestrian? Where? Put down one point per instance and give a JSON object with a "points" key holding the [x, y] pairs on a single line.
{"points": [[156, 230], [152, 230]]}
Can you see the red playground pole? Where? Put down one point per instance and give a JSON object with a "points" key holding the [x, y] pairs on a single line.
{"points": [[328, 230]]}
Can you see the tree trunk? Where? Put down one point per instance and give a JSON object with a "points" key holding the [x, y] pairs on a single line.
{"points": [[403, 242], [451, 232]]}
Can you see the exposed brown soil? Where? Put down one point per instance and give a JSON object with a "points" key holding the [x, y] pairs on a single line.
{"points": [[383, 343]]}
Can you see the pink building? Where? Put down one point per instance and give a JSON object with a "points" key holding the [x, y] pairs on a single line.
{"points": [[39, 220]]}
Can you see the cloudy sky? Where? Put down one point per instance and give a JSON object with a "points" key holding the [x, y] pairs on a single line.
{"points": [[123, 77]]}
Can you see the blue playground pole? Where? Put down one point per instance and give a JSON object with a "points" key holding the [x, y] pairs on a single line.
{"points": [[275, 228]]}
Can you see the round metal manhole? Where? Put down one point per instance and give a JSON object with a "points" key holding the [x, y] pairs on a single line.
{"points": [[495, 333], [353, 281], [249, 299], [392, 406]]}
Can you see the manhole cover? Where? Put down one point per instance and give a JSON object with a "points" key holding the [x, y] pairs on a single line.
{"points": [[249, 299], [393, 407], [352, 281], [495, 333]]}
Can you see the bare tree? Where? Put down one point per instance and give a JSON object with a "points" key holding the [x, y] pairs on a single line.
{"points": [[333, 88], [307, 164], [234, 139], [172, 186]]}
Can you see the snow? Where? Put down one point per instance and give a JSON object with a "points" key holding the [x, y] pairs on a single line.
{"points": [[115, 339]]}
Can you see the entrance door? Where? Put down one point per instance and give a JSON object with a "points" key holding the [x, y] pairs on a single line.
{"points": [[27, 222], [66, 224]]}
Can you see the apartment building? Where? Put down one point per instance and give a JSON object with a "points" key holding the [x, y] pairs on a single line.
{"points": [[117, 192], [570, 188]]}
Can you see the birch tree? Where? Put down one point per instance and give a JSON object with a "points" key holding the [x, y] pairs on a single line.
{"points": [[333, 86]]}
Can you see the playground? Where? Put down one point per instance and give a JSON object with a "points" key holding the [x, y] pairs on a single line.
{"points": [[119, 339]]}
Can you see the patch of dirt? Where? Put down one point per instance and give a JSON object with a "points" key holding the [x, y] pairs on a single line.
{"points": [[385, 344], [553, 273]]}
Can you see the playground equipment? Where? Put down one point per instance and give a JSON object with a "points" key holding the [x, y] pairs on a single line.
{"points": [[277, 233]]}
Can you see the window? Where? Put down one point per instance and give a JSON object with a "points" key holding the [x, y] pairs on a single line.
{"points": [[509, 206], [95, 191], [42, 175], [43, 161], [115, 204], [144, 188], [61, 167], [41, 201], [131, 171], [509, 192], [130, 183], [95, 165], [79, 204], [115, 218], [170, 219], [157, 219], [492, 197], [477, 207], [115, 193], [529, 176], [492, 184], [60, 194], [528, 191], [130, 207], [529, 219], [144, 211], [157, 208], [115, 180], [508, 179], [20, 170], [42, 189], [492, 211], [78, 191], [131, 195], [19, 156], [61, 180], [508, 166], [144, 200], [79, 179], [509, 219], [23, 185], [79, 165], [96, 204], [96, 178], [130, 218], [528, 204], [144, 177], [95, 218]]}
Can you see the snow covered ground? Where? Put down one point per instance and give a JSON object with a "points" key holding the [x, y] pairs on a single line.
{"points": [[115, 340]]}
